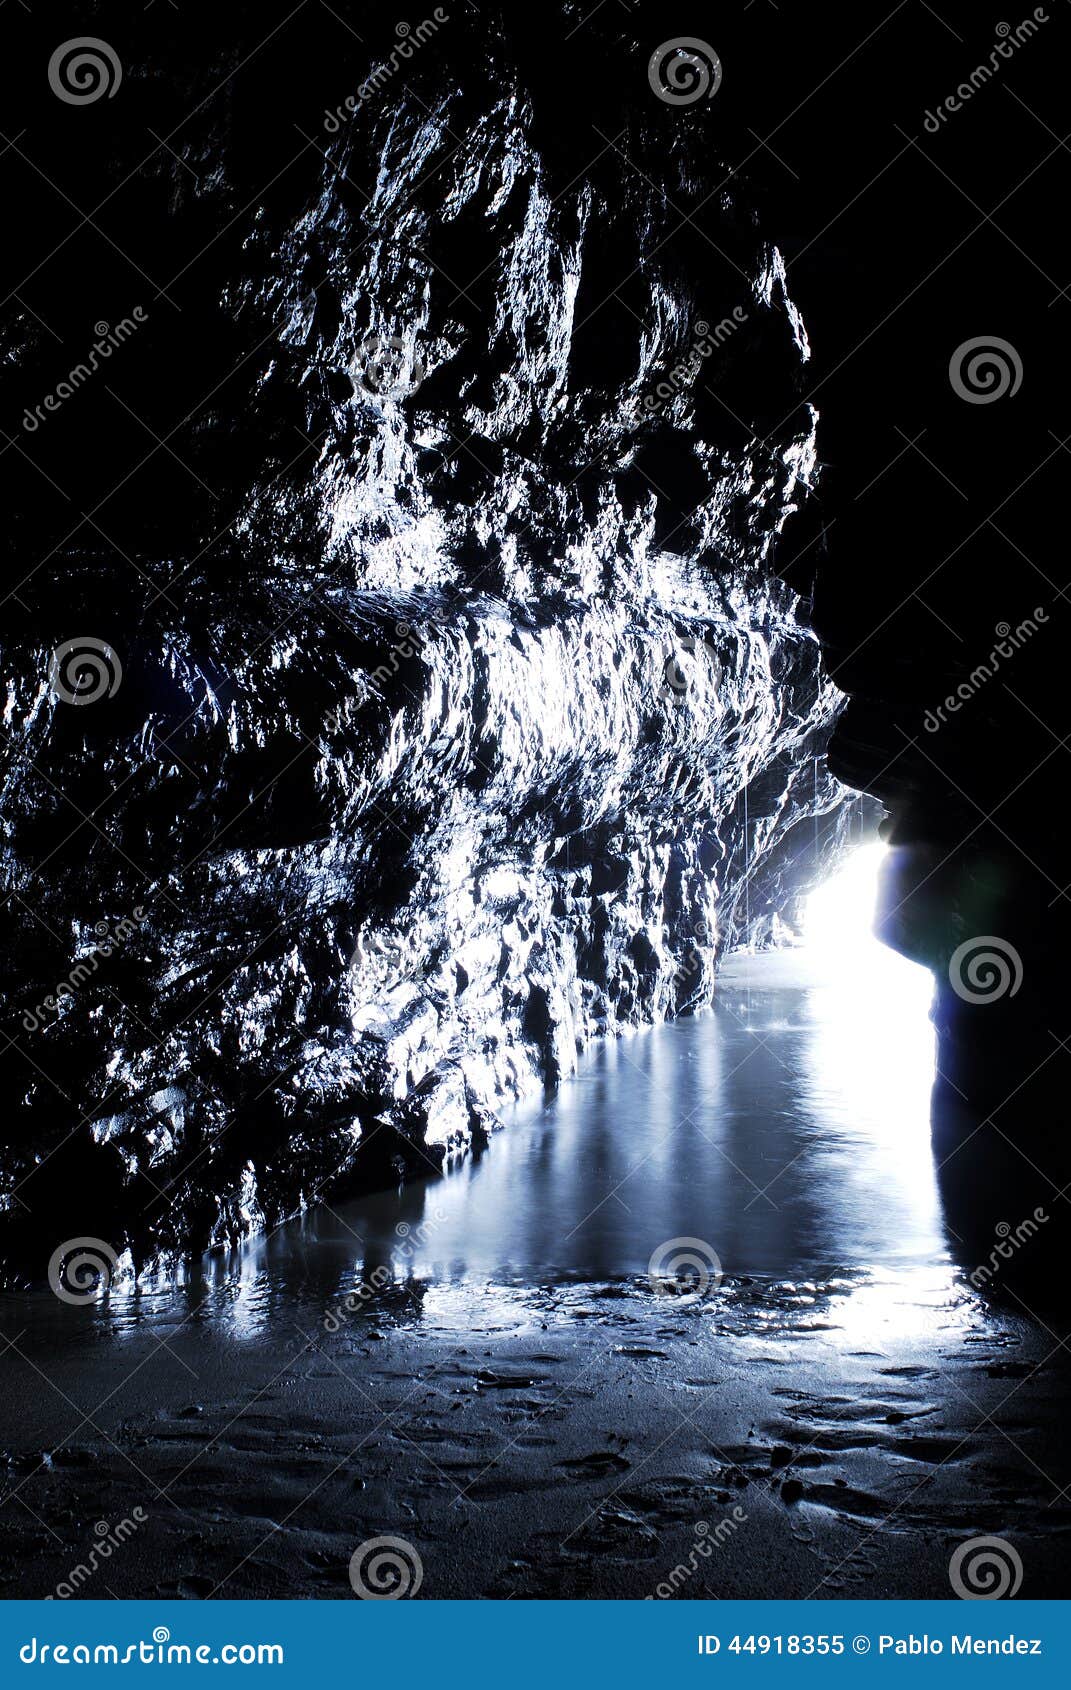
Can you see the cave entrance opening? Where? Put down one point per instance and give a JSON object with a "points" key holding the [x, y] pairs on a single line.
{"points": [[838, 938], [875, 1048]]}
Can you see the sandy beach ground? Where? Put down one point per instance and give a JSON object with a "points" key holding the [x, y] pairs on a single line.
{"points": [[577, 1440]]}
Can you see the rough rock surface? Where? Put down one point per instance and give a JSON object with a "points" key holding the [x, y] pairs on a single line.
{"points": [[431, 516]]}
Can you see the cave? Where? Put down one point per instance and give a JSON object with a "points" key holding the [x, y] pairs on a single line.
{"points": [[530, 532]]}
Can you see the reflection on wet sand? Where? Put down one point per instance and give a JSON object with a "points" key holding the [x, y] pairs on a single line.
{"points": [[483, 1366]]}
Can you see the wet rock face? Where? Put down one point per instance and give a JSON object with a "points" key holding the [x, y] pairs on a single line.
{"points": [[401, 689]]}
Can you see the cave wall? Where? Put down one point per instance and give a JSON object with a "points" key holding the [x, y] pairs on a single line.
{"points": [[402, 684]]}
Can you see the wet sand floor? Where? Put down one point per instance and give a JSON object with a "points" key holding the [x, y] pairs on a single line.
{"points": [[518, 1401]]}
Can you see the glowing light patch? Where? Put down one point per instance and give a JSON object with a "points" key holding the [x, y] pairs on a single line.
{"points": [[838, 936], [873, 1049]]}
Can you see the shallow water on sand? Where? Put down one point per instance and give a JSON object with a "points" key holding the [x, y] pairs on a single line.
{"points": [[788, 1131], [785, 1135]]}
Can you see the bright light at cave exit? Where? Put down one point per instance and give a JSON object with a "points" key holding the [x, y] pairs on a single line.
{"points": [[873, 1060], [838, 937]]}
